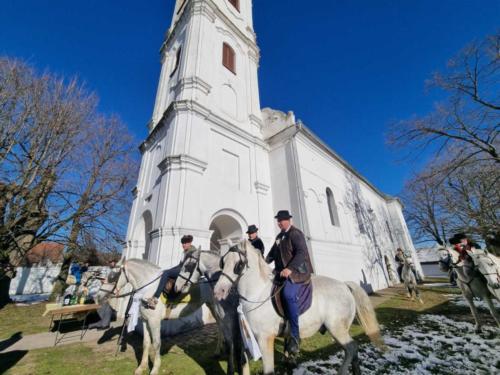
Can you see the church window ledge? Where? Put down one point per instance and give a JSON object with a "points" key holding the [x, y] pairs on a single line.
{"points": [[261, 188]]}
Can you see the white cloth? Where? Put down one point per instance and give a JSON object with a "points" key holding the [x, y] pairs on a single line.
{"points": [[134, 312], [248, 338]]}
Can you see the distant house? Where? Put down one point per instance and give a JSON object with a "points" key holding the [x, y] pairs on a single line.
{"points": [[45, 254], [429, 259]]}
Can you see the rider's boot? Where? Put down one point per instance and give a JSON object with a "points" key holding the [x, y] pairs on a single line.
{"points": [[293, 346], [151, 303]]}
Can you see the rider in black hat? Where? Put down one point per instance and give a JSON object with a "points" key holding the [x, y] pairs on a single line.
{"points": [[253, 237], [171, 273], [292, 264]]}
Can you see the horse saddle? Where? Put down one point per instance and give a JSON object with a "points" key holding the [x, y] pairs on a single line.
{"points": [[304, 298], [169, 296]]}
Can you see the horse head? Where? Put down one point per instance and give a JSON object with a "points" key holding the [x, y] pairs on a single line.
{"points": [[233, 263], [190, 272]]}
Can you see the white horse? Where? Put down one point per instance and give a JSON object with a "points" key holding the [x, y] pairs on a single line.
{"points": [[334, 306], [410, 280], [207, 263], [472, 283], [143, 277]]}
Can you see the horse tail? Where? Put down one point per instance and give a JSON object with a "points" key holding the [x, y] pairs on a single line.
{"points": [[366, 315]]}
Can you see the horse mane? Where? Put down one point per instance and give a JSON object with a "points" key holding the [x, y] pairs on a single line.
{"points": [[264, 269]]}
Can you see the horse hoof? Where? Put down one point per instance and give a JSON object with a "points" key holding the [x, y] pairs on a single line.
{"points": [[138, 371]]}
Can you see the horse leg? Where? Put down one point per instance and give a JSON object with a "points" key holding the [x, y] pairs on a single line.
{"points": [[473, 310], [341, 334], [145, 350], [266, 344], [492, 309], [156, 337]]}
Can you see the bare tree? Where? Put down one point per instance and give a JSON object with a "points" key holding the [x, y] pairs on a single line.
{"points": [[425, 208], [39, 122], [467, 124], [65, 170], [99, 193]]}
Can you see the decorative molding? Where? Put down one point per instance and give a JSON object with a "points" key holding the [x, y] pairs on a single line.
{"points": [[195, 83], [261, 188], [180, 231], [182, 162], [256, 120]]}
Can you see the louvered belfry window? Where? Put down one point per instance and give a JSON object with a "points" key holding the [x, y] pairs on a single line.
{"points": [[236, 4], [228, 58]]}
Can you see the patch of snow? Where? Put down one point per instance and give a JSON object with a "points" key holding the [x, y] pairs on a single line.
{"points": [[459, 300], [434, 345]]}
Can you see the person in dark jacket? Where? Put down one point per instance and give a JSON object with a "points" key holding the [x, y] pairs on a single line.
{"points": [[291, 264], [253, 237], [171, 273]]}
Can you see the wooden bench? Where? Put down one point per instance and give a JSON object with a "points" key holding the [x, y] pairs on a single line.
{"points": [[69, 314]]}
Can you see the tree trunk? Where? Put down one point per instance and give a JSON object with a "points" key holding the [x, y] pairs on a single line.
{"points": [[4, 290], [60, 284]]}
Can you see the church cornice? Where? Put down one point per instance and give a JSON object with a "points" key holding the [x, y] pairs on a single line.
{"points": [[193, 82], [182, 162], [210, 10]]}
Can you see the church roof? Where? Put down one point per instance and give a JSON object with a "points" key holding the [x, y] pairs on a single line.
{"points": [[283, 126]]}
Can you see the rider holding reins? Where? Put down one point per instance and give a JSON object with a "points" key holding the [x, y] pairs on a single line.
{"points": [[171, 273]]}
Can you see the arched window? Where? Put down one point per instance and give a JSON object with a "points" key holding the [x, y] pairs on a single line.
{"points": [[177, 61], [236, 4], [332, 207], [229, 58], [359, 218]]}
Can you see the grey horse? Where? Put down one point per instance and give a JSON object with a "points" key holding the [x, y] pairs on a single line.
{"points": [[471, 282], [410, 281]]}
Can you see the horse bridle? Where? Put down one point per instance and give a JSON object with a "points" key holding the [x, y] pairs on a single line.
{"points": [[116, 291], [239, 267]]}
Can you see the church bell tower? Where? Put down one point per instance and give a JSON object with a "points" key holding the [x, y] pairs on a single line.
{"points": [[205, 167]]}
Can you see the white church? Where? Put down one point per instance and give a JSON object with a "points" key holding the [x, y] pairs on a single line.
{"points": [[215, 162]]}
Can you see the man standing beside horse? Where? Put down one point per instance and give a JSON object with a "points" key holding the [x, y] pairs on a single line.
{"points": [[292, 264]]}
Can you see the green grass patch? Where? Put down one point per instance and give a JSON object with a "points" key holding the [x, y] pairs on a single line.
{"points": [[25, 319]]}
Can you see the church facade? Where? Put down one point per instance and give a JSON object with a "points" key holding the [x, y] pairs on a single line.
{"points": [[214, 162]]}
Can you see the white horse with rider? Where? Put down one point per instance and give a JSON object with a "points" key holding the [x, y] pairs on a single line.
{"points": [[478, 275], [334, 306]]}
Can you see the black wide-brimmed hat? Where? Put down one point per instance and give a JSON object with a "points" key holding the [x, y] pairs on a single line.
{"points": [[453, 241], [283, 215], [460, 236], [252, 229], [186, 239]]}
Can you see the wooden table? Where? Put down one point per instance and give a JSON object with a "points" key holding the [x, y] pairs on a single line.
{"points": [[75, 312]]}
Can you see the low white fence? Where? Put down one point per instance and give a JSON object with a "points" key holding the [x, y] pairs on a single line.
{"points": [[34, 280]]}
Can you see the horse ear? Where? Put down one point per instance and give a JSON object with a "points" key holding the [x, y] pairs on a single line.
{"points": [[121, 261]]}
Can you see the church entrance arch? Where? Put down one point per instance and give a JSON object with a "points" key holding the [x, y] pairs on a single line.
{"points": [[142, 239], [226, 226]]}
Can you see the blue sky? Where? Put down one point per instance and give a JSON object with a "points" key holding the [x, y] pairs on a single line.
{"points": [[346, 68]]}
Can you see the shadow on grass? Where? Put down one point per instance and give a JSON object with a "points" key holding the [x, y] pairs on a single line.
{"points": [[4, 344], [10, 359]]}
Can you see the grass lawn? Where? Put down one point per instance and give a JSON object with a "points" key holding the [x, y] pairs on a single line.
{"points": [[192, 353], [24, 319]]}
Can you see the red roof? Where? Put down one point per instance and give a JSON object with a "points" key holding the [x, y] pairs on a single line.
{"points": [[44, 252]]}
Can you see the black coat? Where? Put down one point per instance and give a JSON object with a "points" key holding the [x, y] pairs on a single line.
{"points": [[258, 244], [290, 251]]}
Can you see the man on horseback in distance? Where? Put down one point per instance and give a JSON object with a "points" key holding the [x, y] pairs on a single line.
{"points": [[172, 273], [253, 237], [400, 260], [292, 264]]}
